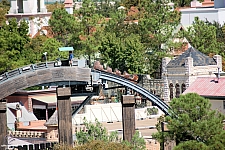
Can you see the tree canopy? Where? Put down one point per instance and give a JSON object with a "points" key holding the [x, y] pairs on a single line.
{"points": [[13, 38], [95, 132], [193, 123]]}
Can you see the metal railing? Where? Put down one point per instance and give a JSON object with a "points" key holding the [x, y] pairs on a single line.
{"points": [[29, 68]]}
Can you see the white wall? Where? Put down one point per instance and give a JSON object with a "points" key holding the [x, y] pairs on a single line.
{"points": [[111, 112], [218, 105], [211, 14]]}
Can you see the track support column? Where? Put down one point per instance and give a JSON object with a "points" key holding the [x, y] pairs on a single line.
{"points": [[128, 115], [64, 116], [3, 125]]}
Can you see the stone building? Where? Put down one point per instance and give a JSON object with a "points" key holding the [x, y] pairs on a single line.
{"points": [[180, 72], [34, 12]]}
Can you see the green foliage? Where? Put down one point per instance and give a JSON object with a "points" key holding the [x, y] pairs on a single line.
{"points": [[97, 145], [137, 142], [129, 3], [95, 132], [62, 25], [4, 8], [125, 54], [191, 145], [54, 6], [152, 111], [192, 119], [182, 3], [105, 9], [13, 38], [203, 37], [38, 46], [156, 27], [84, 40]]}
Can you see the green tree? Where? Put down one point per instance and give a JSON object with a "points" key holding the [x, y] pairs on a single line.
{"points": [[34, 46], [4, 8], [106, 9], [13, 38], [156, 25], [125, 54], [203, 37], [62, 25], [129, 3], [54, 6], [192, 122], [95, 132], [96, 145], [84, 40]]}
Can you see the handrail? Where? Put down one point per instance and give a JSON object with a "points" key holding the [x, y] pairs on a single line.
{"points": [[25, 69]]}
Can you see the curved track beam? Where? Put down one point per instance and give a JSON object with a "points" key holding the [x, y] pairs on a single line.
{"points": [[123, 81], [19, 79]]}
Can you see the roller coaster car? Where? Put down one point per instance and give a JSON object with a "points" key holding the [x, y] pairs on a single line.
{"points": [[126, 75], [109, 70], [117, 72], [98, 66]]}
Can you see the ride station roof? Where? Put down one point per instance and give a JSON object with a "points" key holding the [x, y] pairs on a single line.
{"points": [[63, 49]]}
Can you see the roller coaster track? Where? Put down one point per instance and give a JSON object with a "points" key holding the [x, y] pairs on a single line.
{"points": [[126, 82], [14, 76]]}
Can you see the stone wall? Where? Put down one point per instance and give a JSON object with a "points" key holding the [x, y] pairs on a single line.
{"points": [[177, 79]]}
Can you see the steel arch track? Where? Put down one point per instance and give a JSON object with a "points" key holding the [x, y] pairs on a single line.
{"points": [[125, 82]]}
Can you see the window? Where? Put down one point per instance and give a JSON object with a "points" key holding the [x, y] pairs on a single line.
{"points": [[171, 90], [177, 90], [183, 88]]}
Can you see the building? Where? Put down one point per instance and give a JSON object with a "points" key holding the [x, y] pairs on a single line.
{"points": [[205, 11], [33, 12], [211, 88], [179, 73], [42, 103]]}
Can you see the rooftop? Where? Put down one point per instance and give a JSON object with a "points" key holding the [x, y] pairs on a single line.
{"points": [[199, 59], [208, 87]]}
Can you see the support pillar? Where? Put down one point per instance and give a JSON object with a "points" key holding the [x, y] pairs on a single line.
{"points": [[3, 125], [128, 115], [64, 116]]}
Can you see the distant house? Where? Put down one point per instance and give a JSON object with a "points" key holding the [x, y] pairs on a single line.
{"points": [[17, 112], [210, 10], [212, 88], [33, 11], [41, 102], [179, 73]]}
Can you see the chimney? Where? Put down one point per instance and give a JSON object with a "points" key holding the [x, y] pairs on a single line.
{"points": [[69, 6]]}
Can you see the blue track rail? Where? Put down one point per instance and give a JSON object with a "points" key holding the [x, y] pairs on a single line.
{"points": [[125, 82]]}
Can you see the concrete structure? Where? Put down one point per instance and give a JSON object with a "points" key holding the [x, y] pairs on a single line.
{"points": [[178, 74], [215, 13], [33, 12]]}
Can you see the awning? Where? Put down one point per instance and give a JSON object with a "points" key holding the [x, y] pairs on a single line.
{"points": [[53, 99], [63, 49]]}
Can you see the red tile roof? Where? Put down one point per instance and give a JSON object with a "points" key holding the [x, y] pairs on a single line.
{"points": [[207, 86]]}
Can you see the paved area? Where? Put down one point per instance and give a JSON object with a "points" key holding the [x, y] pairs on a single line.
{"points": [[146, 126]]}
